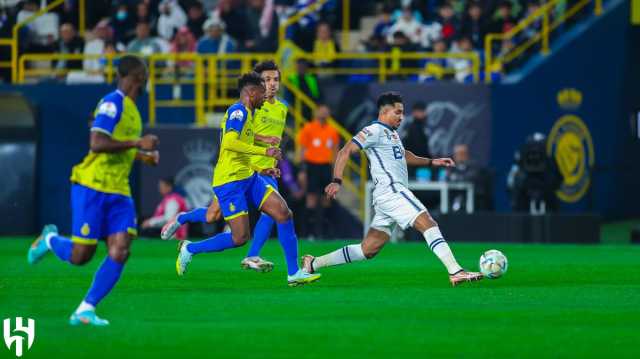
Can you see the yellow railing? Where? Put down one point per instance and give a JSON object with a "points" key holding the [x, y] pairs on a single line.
{"points": [[13, 41], [294, 19], [543, 16], [214, 80], [383, 65], [24, 74], [282, 30], [346, 19], [7, 43]]}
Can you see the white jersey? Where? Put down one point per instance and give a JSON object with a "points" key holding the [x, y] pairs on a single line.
{"points": [[392, 200], [387, 162]]}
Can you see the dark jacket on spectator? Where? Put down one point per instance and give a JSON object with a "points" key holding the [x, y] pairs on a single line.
{"points": [[236, 23], [75, 46], [195, 26], [475, 30]]}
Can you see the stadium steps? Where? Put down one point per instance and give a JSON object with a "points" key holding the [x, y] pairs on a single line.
{"points": [[576, 33], [356, 37]]}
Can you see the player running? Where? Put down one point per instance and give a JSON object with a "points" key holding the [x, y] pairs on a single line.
{"points": [[100, 194], [392, 201], [269, 123], [235, 183]]}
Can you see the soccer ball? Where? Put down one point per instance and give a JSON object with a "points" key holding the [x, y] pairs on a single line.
{"points": [[493, 264]]}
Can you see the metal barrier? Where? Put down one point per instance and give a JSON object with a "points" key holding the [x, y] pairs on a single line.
{"points": [[384, 65], [544, 16], [9, 43], [13, 41], [24, 74]]}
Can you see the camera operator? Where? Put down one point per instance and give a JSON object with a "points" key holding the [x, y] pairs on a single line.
{"points": [[534, 178]]}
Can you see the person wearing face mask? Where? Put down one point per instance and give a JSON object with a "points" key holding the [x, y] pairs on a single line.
{"points": [[123, 24]]}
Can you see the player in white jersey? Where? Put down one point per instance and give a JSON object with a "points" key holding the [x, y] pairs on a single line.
{"points": [[393, 202]]}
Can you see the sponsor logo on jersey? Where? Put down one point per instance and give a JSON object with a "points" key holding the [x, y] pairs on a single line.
{"points": [[108, 109], [570, 144], [236, 115]]}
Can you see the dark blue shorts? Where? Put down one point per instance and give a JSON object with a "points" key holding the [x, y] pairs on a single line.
{"points": [[97, 215]]}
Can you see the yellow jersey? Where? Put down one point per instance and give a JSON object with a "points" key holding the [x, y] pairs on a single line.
{"points": [[116, 116], [270, 120], [234, 166]]}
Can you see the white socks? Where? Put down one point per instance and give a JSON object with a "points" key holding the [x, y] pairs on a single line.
{"points": [[348, 254], [353, 253], [439, 246], [84, 306]]}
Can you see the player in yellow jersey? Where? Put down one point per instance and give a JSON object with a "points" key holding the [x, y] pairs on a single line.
{"points": [[270, 121], [102, 207], [236, 184]]}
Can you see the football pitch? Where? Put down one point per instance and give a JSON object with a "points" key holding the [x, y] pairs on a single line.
{"points": [[556, 301]]}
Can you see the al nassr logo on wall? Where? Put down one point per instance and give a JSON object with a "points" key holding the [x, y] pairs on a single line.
{"points": [[570, 145]]}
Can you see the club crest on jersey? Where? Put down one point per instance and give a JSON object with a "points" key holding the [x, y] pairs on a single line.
{"points": [[108, 109], [232, 207], [85, 230], [386, 133], [236, 115]]}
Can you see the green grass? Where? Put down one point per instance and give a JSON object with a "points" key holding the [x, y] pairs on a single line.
{"points": [[556, 301]]}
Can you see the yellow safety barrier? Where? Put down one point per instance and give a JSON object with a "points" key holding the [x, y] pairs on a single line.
{"points": [[13, 41], [544, 16], [8, 43], [346, 19], [24, 73], [389, 63], [213, 80], [282, 30]]}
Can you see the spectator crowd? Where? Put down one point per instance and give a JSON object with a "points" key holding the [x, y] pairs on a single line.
{"points": [[228, 26]]}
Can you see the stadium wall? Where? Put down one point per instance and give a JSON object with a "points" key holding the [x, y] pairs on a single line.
{"points": [[63, 114], [593, 77]]}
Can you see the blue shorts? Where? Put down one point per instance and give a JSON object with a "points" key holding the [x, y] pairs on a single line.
{"points": [[234, 197], [273, 182], [97, 215]]}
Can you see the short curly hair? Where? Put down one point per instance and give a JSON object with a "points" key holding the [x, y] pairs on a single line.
{"points": [[250, 79], [388, 98]]}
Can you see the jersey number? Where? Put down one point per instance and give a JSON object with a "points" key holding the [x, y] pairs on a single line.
{"points": [[397, 152]]}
